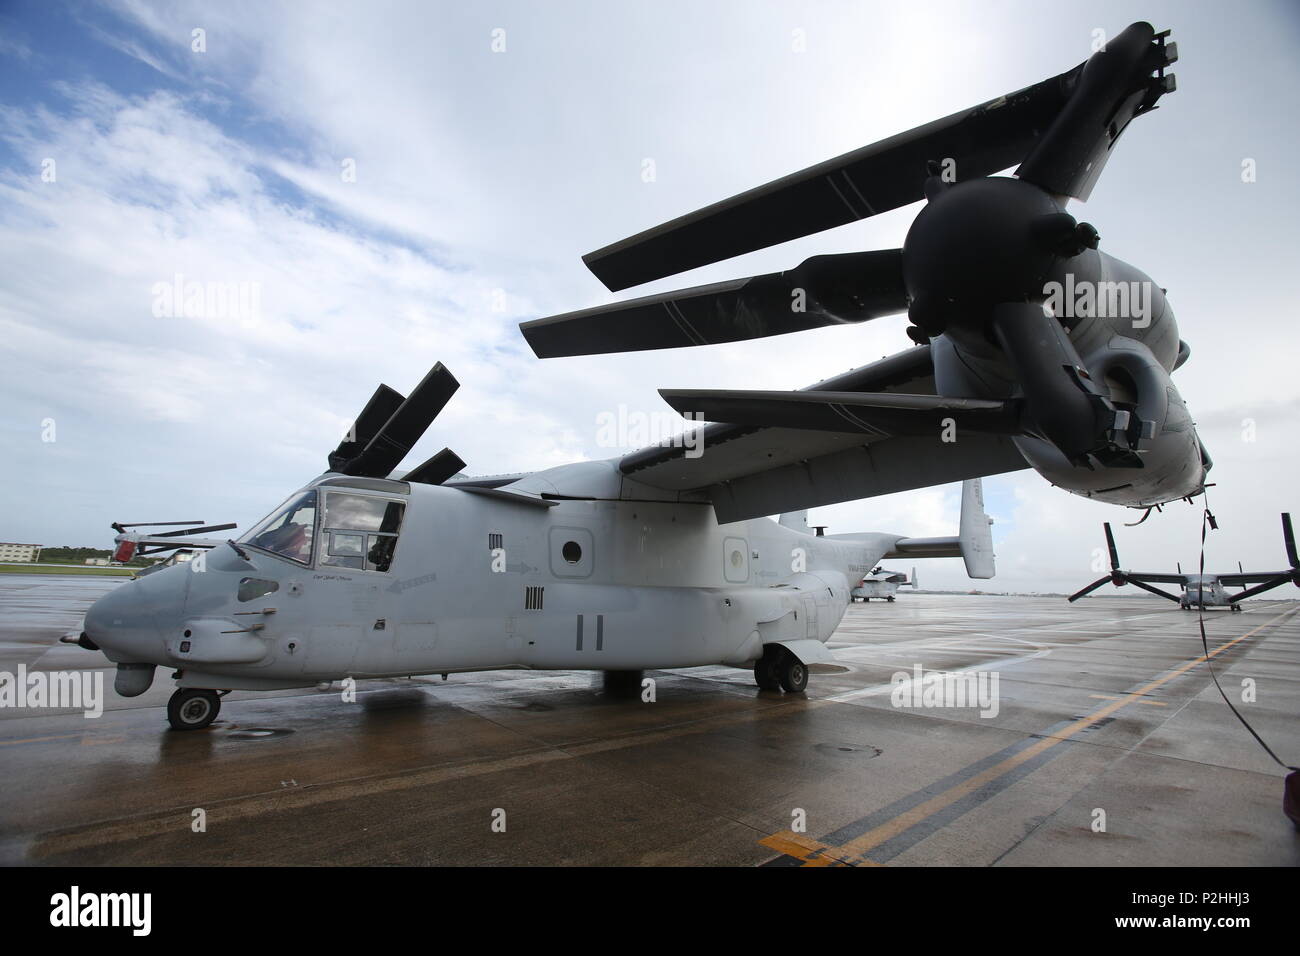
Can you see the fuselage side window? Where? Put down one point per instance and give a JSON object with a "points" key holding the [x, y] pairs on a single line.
{"points": [[360, 531]]}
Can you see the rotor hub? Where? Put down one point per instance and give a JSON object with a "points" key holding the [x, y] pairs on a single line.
{"points": [[977, 244]]}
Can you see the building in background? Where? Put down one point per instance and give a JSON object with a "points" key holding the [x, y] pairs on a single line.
{"points": [[19, 552]]}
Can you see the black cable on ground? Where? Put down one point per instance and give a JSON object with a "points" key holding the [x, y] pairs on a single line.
{"points": [[1291, 787]]}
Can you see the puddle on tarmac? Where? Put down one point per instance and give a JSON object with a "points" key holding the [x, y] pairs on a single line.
{"points": [[258, 733]]}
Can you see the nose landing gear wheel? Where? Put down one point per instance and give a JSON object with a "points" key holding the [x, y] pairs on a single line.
{"points": [[193, 708]]}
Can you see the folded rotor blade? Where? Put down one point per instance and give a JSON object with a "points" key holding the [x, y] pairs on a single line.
{"points": [[1114, 86], [1110, 544], [1289, 536], [120, 526], [873, 179], [1146, 587], [398, 435], [437, 469], [823, 290], [189, 531], [877, 414], [1089, 589], [1261, 588], [383, 403]]}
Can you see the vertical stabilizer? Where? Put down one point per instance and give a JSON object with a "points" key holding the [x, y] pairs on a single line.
{"points": [[795, 520], [975, 536]]}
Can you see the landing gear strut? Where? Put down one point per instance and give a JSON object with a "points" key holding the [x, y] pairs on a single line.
{"points": [[193, 708]]}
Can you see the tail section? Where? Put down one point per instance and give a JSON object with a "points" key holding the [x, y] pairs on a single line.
{"points": [[973, 542], [975, 538], [795, 521]]}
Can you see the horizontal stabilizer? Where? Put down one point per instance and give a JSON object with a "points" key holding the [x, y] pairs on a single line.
{"points": [[873, 414]]}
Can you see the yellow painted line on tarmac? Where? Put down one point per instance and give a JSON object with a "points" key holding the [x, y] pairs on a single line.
{"points": [[803, 847], [36, 740], [1151, 703], [854, 851]]}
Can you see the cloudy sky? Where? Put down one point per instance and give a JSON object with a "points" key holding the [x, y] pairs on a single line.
{"points": [[386, 187]]}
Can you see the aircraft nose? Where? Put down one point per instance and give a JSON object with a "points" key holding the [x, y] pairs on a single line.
{"points": [[123, 625]]}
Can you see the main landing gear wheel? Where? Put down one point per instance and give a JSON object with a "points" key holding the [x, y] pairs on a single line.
{"points": [[193, 708], [766, 672], [794, 674], [778, 669]]}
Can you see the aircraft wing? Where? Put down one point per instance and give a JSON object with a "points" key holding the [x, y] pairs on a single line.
{"points": [[752, 470], [1250, 577], [1156, 577]]}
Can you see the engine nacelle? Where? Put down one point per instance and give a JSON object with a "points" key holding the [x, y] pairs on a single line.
{"points": [[1128, 353], [1173, 462]]}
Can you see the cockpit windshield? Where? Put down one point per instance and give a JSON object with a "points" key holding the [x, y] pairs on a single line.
{"points": [[288, 531]]}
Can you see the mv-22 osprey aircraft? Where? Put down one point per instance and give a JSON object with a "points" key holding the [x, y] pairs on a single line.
{"points": [[1201, 589], [663, 559], [882, 583]]}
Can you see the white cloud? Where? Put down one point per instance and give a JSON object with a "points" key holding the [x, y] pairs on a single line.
{"points": [[479, 172]]}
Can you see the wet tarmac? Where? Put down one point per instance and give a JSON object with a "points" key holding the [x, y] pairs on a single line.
{"points": [[1109, 746]]}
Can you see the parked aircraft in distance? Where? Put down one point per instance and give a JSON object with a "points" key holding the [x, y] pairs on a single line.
{"points": [[1201, 590]]}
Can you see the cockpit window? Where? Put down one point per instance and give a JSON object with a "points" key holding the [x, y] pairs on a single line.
{"points": [[360, 531], [288, 531]]}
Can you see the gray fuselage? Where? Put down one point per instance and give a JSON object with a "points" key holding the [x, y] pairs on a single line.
{"points": [[485, 581]]}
